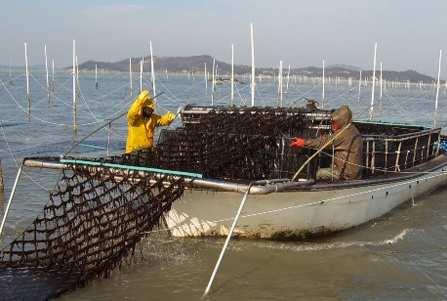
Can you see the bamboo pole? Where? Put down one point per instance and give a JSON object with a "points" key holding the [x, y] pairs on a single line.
{"points": [[74, 87], [381, 82], [213, 83], [11, 197], [96, 76], [227, 241], [280, 103], [152, 69], [141, 74], [360, 86], [130, 77], [232, 76], [47, 72], [28, 94], [323, 97], [438, 85], [288, 79], [205, 77], [252, 65], [371, 109], [53, 82]]}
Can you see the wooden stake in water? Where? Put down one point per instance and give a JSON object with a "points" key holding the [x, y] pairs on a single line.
{"points": [[232, 76], [130, 77], [74, 87], [213, 83], [141, 74], [152, 69], [438, 85], [323, 97], [280, 103], [96, 76], [47, 72], [28, 94], [371, 109], [252, 43]]}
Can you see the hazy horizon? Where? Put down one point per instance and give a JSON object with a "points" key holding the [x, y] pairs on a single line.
{"points": [[300, 34]]}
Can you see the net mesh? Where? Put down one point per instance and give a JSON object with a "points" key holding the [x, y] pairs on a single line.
{"points": [[92, 222]]}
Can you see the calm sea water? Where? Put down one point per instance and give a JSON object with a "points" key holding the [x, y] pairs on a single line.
{"points": [[402, 256]]}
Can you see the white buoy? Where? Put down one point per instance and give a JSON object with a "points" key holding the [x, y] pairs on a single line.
{"points": [[130, 77], [232, 76], [96, 76], [323, 97], [53, 82], [438, 85], [47, 73], [371, 109], [152, 69], [213, 82], [280, 103], [141, 74], [74, 87], [28, 94], [360, 86], [252, 40]]}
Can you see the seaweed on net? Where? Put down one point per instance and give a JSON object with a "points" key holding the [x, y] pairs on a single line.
{"points": [[91, 224]]}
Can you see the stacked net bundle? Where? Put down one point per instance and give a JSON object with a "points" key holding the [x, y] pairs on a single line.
{"points": [[240, 144], [91, 223]]}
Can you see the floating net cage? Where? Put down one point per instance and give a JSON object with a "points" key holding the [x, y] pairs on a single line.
{"points": [[92, 222]]}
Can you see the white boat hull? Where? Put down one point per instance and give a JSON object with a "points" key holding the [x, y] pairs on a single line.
{"points": [[297, 214]]}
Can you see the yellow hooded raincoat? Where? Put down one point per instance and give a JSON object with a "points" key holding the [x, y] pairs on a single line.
{"points": [[140, 132]]}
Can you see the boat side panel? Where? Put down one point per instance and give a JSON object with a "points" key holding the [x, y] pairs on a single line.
{"points": [[292, 214]]}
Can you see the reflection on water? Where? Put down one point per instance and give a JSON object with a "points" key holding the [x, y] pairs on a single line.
{"points": [[401, 256]]}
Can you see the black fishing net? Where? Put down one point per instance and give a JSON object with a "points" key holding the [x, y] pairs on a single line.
{"points": [[92, 222]]}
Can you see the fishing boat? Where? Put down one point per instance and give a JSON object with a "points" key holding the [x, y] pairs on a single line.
{"points": [[222, 152]]}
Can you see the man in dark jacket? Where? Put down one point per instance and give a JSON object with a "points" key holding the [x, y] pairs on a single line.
{"points": [[347, 147]]}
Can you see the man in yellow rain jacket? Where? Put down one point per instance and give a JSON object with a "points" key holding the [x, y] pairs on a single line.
{"points": [[141, 122]]}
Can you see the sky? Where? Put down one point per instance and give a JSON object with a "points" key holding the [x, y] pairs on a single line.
{"points": [[300, 33]]}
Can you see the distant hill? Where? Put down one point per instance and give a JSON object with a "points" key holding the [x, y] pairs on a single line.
{"points": [[196, 64]]}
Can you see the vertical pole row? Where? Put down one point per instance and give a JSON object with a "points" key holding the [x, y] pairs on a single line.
{"points": [[28, 95], [371, 109]]}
